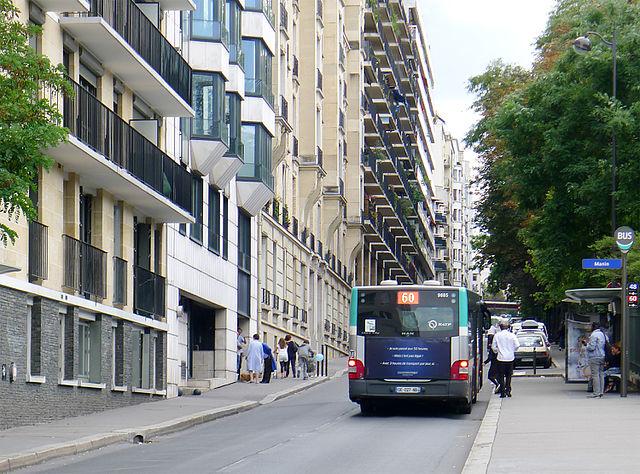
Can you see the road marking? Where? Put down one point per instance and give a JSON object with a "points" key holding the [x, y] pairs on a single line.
{"points": [[480, 455]]}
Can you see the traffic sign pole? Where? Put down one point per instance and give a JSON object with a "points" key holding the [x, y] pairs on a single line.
{"points": [[624, 237], [625, 330]]}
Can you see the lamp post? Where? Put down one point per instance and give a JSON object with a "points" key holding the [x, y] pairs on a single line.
{"points": [[583, 45]]}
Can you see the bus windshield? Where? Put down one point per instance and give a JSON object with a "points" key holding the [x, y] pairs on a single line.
{"points": [[407, 313]]}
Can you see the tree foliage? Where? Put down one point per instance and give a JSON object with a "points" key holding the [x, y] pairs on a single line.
{"points": [[544, 138], [28, 118]]}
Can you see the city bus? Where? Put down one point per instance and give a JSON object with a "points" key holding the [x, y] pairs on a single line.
{"points": [[415, 342]]}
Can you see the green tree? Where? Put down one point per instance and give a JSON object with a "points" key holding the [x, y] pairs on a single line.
{"points": [[552, 134], [28, 118]]}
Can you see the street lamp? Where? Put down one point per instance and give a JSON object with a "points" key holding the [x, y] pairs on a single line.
{"points": [[582, 45]]}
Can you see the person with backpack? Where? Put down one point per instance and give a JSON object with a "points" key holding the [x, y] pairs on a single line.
{"points": [[596, 353], [292, 349], [283, 356], [305, 354]]}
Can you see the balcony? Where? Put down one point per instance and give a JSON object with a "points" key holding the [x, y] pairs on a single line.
{"points": [[133, 49], [295, 69], [295, 150], [109, 154], [254, 183], [59, 6], [264, 6], [319, 11], [119, 281], [341, 120], [319, 80], [284, 18], [259, 88], [85, 268], [38, 251], [284, 108], [149, 293]]}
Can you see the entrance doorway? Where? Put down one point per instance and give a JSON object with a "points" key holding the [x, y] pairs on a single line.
{"points": [[201, 341]]}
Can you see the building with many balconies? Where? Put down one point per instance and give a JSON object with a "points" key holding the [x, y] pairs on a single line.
{"points": [[84, 311]]}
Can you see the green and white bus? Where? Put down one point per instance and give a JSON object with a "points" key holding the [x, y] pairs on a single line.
{"points": [[415, 342]]}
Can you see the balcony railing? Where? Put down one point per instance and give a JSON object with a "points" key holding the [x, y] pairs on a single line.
{"points": [[319, 8], [284, 108], [296, 65], [294, 227], [119, 281], [341, 119], [341, 55], [149, 294], [259, 88], [284, 17], [319, 79], [38, 251], [320, 157], [102, 130], [85, 268], [295, 147], [127, 19], [305, 316], [264, 6]]}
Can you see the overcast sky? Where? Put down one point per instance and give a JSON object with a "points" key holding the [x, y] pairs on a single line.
{"points": [[466, 35]]}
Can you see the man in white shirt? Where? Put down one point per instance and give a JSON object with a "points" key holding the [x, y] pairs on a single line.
{"points": [[505, 344]]}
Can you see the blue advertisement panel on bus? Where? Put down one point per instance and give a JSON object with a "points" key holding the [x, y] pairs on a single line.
{"points": [[407, 358]]}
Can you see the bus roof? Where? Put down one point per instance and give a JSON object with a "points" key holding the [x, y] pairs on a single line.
{"points": [[405, 287]]}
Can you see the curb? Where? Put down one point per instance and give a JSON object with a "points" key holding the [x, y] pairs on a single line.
{"points": [[480, 455], [46, 453]]}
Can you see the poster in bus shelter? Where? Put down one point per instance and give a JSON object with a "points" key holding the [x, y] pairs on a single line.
{"points": [[407, 358], [577, 363]]}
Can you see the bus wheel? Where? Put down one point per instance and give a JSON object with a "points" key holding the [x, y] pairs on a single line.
{"points": [[366, 408]]}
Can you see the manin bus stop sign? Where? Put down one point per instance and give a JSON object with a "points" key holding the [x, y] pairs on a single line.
{"points": [[624, 238]]}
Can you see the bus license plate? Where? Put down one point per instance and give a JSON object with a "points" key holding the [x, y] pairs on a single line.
{"points": [[407, 389]]}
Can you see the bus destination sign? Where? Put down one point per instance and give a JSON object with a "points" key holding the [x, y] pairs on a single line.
{"points": [[408, 297]]}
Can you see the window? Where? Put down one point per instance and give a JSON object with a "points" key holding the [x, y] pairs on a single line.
{"points": [[257, 154], [233, 18], [209, 105], [214, 220], [244, 264], [117, 340], [257, 69], [234, 124], [196, 196], [34, 342], [67, 346], [208, 21], [225, 227], [140, 339], [89, 351]]}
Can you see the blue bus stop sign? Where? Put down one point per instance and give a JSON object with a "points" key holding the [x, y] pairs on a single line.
{"points": [[602, 263]]}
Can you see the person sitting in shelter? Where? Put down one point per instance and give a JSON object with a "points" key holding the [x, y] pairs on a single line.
{"points": [[612, 368]]}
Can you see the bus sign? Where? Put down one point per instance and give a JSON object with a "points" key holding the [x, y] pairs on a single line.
{"points": [[408, 297]]}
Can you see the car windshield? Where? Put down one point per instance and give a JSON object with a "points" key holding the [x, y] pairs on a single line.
{"points": [[530, 341]]}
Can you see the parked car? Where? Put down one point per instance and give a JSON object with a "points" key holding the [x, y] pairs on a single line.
{"points": [[531, 342], [536, 332], [531, 324]]}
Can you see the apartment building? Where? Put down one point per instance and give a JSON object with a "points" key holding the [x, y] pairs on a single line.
{"points": [[393, 234], [84, 324], [304, 284], [213, 262]]}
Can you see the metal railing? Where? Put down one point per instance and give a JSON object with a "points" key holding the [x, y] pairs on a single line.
{"points": [[284, 17], [319, 79], [119, 281], [259, 88], [341, 119], [127, 19], [294, 227], [295, 147], [85, 268], [102, 130], [296, 66], [319, 8], [305, 316], [264, 6], [320, 157], [149, 293], [341, 55], [38, 251], [284, 108]]}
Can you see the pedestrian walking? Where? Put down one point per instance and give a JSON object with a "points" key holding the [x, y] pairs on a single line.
{"points": [[269, 363], [241, 342], [305, 354], [596, 356], [292, 349], [255, 358], [283, 356], [505, 344]]}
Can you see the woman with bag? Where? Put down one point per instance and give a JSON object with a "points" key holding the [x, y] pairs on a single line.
{"points": [[283, 356]]}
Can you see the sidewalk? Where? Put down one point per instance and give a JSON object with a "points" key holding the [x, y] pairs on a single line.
{"points": [[26, 445], [551, 426]]}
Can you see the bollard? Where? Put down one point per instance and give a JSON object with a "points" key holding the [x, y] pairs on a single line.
{"points": [[534, 361]]}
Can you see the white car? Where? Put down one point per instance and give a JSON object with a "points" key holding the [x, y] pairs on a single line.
{"points": [[534, 325]]}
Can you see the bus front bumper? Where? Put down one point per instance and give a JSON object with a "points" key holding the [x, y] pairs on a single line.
{"points": [[443, 390]]}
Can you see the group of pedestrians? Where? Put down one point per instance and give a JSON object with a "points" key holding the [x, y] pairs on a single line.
{"points": [[290, 357]]}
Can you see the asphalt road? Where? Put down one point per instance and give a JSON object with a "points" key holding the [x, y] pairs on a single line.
{"points": [[316, 431]]}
